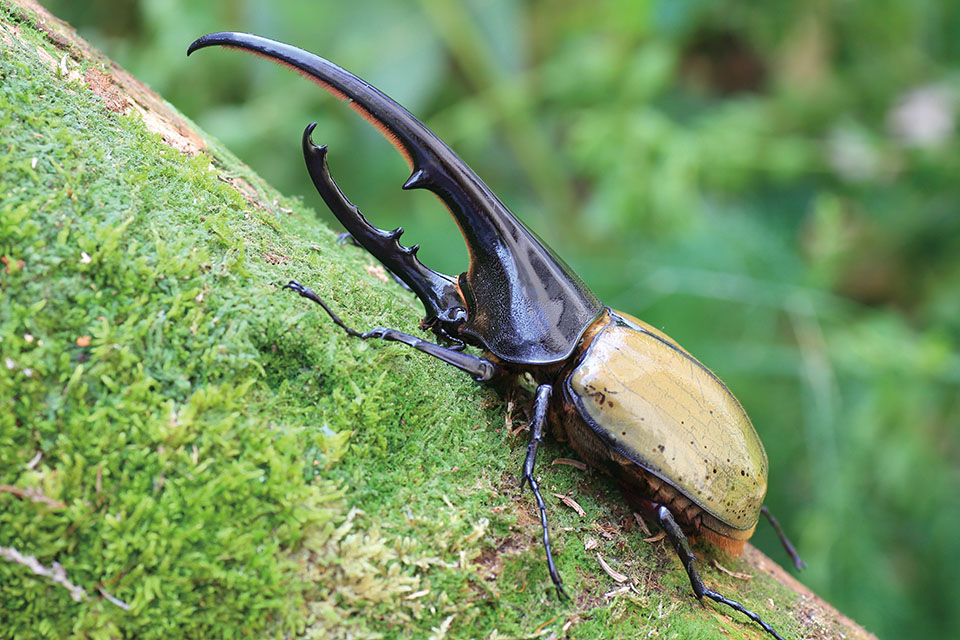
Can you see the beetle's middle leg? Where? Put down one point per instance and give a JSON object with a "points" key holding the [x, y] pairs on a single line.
{"points": [[689, 561], [536, 437]]}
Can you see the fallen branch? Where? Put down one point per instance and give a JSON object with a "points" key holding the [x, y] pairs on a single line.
{"points": [[57, 574], [34, 495]]}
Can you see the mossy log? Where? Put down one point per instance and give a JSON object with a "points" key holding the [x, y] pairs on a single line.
{"points": [[187, 450]]}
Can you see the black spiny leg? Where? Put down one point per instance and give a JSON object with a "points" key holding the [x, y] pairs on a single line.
{"points": [[536, 437], [784, 540], [481, 369], [680, 545]]}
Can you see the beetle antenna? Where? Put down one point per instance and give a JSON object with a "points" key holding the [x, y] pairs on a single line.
{"points": [[784, 540]]}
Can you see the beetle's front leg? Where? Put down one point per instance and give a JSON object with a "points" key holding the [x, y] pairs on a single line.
{"points": [[481, 369], [536, 437], [689, 561]]}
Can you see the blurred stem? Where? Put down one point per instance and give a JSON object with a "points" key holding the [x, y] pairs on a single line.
{"points": [[821, 382], [509, 101], [670, 280]]}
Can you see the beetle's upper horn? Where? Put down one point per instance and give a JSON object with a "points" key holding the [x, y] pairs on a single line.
{"points": [[524, 304]]}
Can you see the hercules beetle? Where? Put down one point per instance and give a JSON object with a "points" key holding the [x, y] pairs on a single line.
{"points": [[627, 397]]}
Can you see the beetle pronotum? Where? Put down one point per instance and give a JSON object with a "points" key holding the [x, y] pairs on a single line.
{"points": [[628, 398]]}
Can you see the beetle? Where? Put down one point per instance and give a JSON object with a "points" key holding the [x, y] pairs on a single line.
{"points": [[628, 399]]}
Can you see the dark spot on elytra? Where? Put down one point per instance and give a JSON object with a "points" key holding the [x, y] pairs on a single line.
{"points": [[661, 447]]}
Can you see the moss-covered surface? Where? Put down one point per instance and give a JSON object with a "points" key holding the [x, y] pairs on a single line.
{"points": [[177, 430]]}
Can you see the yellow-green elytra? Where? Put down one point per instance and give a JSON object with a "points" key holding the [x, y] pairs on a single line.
{"points": [[657, 406]]}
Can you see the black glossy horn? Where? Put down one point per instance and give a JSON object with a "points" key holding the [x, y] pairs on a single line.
{"points": [[523, 303], [437, 292]]}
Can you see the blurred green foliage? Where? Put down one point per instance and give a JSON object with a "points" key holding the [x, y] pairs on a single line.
{"points": [[775, 185]]}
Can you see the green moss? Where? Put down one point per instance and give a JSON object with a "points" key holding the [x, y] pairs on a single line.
{"points": [[215, 454]]}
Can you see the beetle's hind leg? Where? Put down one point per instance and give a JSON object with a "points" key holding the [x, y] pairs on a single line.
{"points": [[784, 540], [481, 369], [681, 546], [536, 437]]}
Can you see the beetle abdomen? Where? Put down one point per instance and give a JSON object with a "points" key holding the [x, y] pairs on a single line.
{"points": [[652, 402]]}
